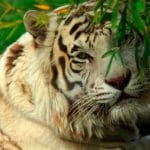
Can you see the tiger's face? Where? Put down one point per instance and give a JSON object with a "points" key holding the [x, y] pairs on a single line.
{"points": [[91, 104]]}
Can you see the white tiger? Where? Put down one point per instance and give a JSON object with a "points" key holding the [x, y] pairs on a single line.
{"points": [[54, 94]]}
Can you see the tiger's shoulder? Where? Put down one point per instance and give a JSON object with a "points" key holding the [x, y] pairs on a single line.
{"points": [[15, 57]]}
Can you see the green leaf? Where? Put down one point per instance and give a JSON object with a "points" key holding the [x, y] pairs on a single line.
{"points": [[7, 8], [140, 6], [109, 64], [12, 32], [110, 52], [121, 29], [100, 4], [104, 14], [9, 24], [119, 57], [136, 15], [115, 53], [114, 18]]}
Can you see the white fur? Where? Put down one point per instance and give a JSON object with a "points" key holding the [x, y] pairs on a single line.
{"points": [[35, 115]]}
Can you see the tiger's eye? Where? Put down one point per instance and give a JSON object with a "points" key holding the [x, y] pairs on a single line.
{"points": [[83, 55]]}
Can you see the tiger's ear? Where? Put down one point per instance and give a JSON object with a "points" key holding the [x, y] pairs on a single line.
{"points": [[31, 22]]}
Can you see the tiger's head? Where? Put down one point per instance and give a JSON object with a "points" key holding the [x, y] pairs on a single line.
{"points": [[70, 91]]}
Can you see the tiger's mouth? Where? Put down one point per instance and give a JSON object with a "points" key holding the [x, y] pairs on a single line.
{"points": [[122, 100], [103, 109], [125, 98]]}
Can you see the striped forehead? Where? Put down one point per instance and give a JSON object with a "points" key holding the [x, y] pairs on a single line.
{"points": [[77, 30], [71, 29], [75, 22]]}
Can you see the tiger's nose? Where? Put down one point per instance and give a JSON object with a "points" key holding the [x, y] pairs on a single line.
{"points": [[120, 82]]}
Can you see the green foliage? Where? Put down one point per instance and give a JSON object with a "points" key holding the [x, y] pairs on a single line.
{"points": [[12, 12], [134, 20], [114, 53]]}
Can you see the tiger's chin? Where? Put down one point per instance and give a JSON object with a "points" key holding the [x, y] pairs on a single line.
{"points": [[126, 111], [117, 124], [130, 108]]}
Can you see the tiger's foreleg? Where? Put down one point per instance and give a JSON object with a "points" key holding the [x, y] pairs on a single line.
{"points": [[6, 143]]}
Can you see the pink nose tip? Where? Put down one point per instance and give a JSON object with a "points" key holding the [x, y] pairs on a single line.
{"points": [[120, 82]]}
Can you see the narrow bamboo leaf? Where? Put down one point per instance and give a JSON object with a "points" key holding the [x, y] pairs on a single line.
{"points": [[105, 14], [100, 4], [5, 13], [105, 17], [11, 33], [109, 53], [120, 34], [140, 6], [96, 18], [114, 18], [7, 8], [138, 22], [120, 58], [7, 5], [109, 64], [9, 24]]}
